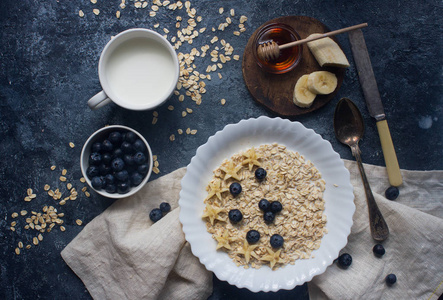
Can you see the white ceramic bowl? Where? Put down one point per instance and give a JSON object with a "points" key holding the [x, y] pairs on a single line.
{"points": [[100, 135], [338, 195]]}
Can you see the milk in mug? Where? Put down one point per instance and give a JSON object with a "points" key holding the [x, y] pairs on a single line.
{"points": [[140, 70]]}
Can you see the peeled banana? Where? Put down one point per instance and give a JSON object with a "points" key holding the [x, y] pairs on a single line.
{"points": [[322, 82], [327, 52], [302, 96]]}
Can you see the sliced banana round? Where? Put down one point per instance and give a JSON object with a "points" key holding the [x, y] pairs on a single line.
{"points": [[322, 82], [302, 96]]}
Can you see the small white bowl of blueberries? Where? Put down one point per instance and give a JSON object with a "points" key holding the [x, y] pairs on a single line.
{"points": [[116, 161]]}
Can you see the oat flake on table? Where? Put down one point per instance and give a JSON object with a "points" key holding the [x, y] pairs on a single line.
{"points": [[292, 181]]}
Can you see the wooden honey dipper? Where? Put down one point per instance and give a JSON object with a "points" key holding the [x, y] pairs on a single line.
{"points": [[271, 50]]}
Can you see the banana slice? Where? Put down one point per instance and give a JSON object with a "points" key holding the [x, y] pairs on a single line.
{"points": [[327, 52], [322, 82], [302, 96]]}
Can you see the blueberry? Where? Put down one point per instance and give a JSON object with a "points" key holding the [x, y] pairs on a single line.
{"points": [[117, 164], [92, 171], [143, 169], [107, 146], [269, 217], [115, 138], [139, 158], [127, 147], [276, 241], [128, 159], [392, 193], [139, 145], [130, 137], [276, 207], [391, 279], [165, 207], [110, 188], [122, 175], [235, 215], [344, 260], [122, 187], [135, 178], [155, 215], [378, 250], [97, 182], [106, 158], [109, 179], [117, 153], [105, 169], [235, 188], [95, 158], [96, 147], [260, 173], [252, 236], [264, 205]]}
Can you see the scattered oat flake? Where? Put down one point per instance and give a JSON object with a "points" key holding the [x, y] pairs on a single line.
{"points": [[184, 114], [243, 19], [62, 228], [96, 11], [14, 215], [53, 168], [82, 180], [336, 185], [170, 107], [79, 222], [81, 13], [180, 131], [27, 199], [17, 251], [188, 130], [23, 212], [232, 12], [93, 1], [189, 110], [40, 237], [193, 131], [46, 187], [117, 14], [87, 194], [155, 170], [20, 245], [12, 228], [35, 241], [64, 171], [220, 10], [223, 101], [62, 178], [172, 138]]}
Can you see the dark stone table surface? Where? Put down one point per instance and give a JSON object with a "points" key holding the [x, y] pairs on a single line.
{"points": [[49, 57]]}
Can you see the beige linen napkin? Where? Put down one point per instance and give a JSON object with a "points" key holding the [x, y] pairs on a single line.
{"points": [[120, 255], [414, 249]]}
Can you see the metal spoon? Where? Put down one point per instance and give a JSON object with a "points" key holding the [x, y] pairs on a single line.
{"points": [[349, 128]]}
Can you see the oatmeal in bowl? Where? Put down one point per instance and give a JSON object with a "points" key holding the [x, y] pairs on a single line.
{"points": [[265, 207], [271, 190]]}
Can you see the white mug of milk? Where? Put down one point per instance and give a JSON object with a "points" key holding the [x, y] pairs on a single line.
{"points": [[138, 70]]}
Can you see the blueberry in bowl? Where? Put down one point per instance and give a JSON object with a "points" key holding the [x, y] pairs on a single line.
{"points": [[116, 161]]}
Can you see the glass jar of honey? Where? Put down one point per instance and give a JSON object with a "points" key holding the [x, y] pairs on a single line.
{"points": [[280, 34]]}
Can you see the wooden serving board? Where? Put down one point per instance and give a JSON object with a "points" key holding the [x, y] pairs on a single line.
{"points": [[275, 91]]}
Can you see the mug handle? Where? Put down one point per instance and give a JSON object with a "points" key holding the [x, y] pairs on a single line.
{"points": [[99, 100]]}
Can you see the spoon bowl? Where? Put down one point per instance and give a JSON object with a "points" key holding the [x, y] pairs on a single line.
{"points": [[349, 129]]}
